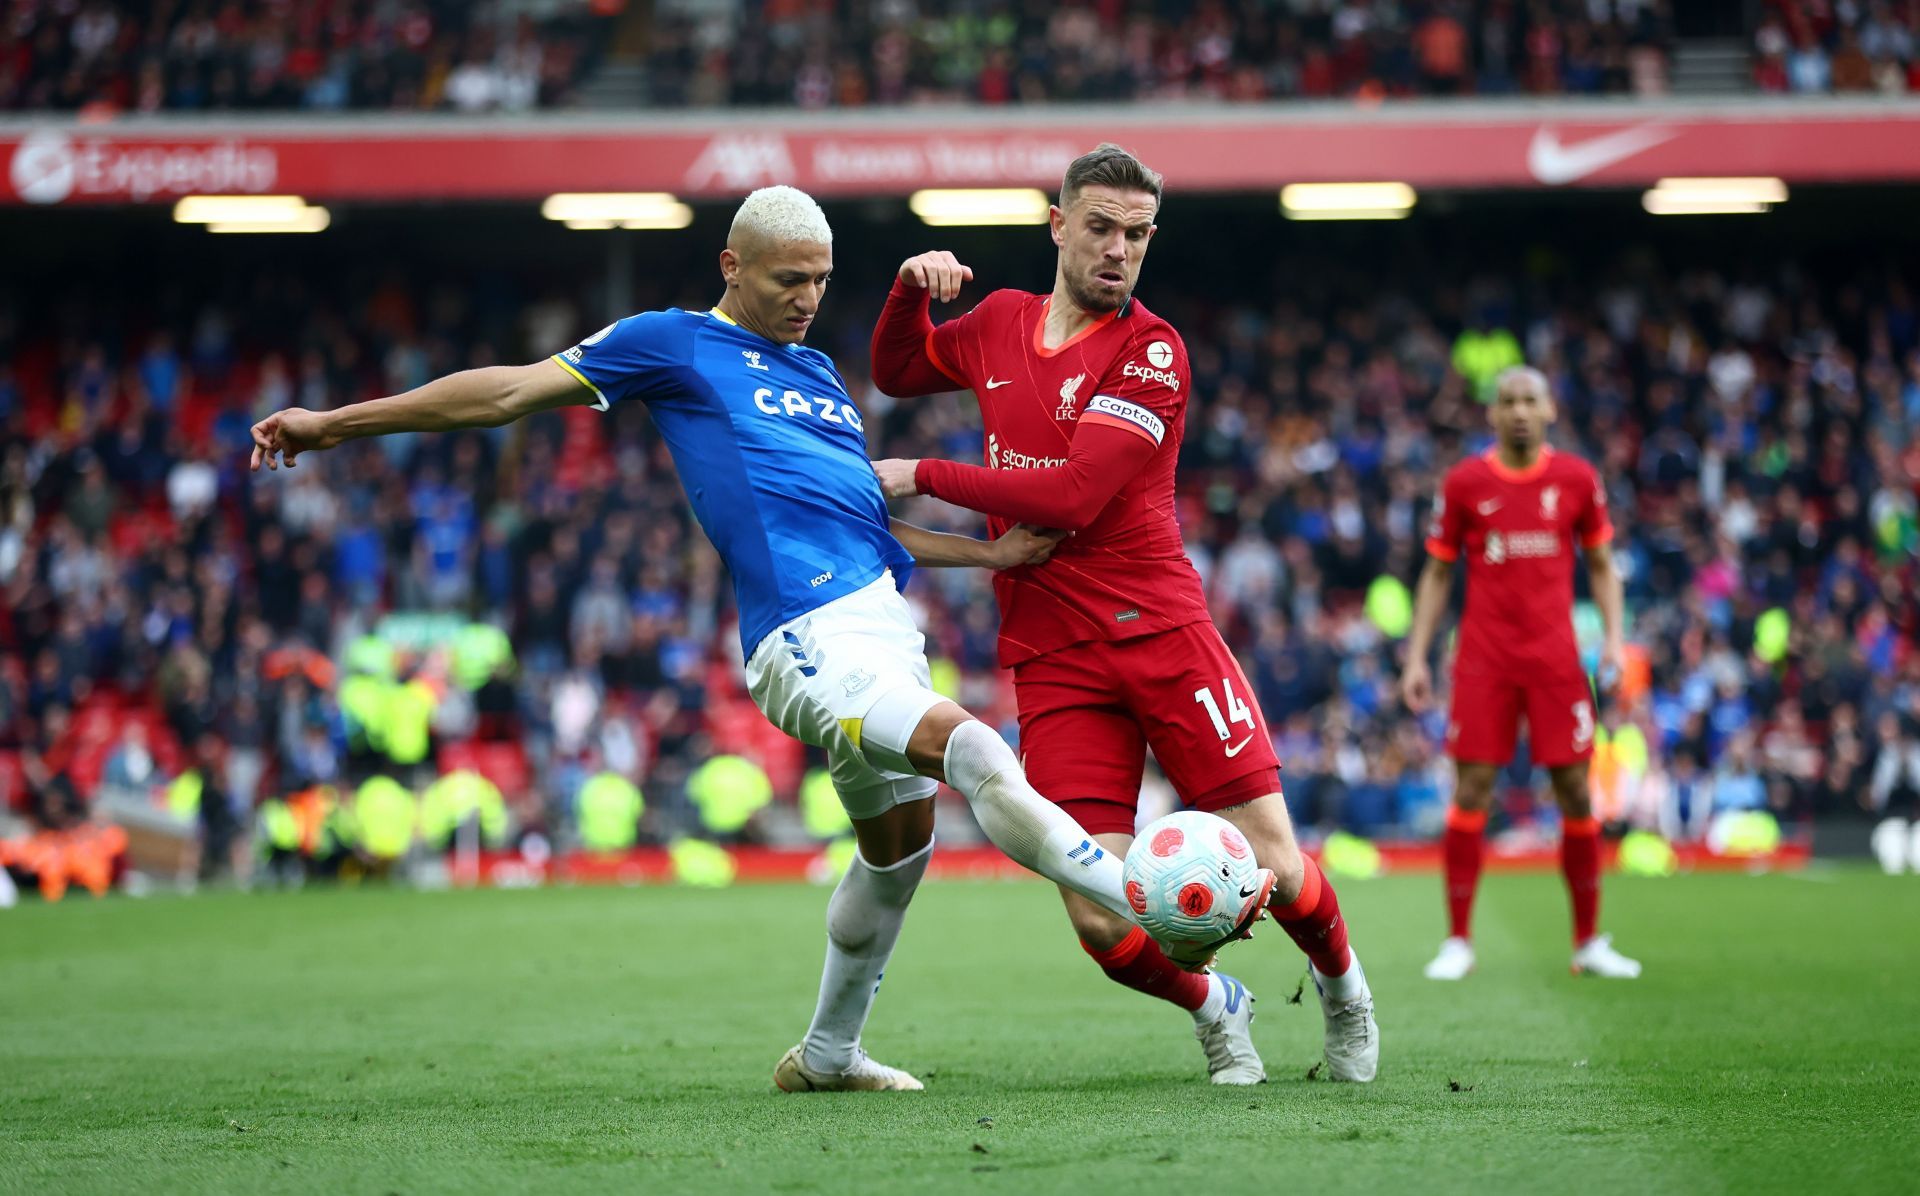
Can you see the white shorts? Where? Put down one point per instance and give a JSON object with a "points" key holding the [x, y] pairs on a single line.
{"points": [[817, 676]]}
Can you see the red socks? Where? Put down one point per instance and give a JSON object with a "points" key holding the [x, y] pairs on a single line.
{"points": [[1580, 864], [1463, 850], [1138, 963], [1313, 922]]}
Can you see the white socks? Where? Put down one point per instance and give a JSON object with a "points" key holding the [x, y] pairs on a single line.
{"points": [[1034, 832], [863, 924], [1349, 985], [1215, 1004]]}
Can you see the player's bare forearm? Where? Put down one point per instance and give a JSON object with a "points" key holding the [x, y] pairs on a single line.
{"points": [[1604, 580], [1429, 601], [931, 549], [935, 550], [482, 398]]}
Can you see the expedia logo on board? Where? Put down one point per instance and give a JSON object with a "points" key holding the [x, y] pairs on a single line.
{"points": [[49, 167]]}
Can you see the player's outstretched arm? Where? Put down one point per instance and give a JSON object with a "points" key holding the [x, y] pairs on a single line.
{"points": [[902, 366], [1429, 600], [483, 398], [1069, 496], [1019, 546]]}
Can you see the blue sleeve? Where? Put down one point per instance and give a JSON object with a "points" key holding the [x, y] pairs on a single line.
{"points": [[628, 359]]}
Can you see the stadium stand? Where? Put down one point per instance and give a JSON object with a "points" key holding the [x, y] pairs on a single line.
{"points": [[104, 58], [1805, 47], [853, 55]]}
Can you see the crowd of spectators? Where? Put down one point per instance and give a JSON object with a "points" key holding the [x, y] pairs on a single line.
{"points": [[1812, 46], [1755, 428], [101, 57], [823, 55], [98, 58]]}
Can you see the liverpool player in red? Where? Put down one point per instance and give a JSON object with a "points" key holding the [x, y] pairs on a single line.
{"points": [[1515, 515], [1083, 394]]}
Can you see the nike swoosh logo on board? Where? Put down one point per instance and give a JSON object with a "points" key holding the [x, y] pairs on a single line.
{"points": [[1554, 164]]}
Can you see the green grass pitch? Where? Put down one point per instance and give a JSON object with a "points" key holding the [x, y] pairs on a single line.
{"points": [[622, 1040]]}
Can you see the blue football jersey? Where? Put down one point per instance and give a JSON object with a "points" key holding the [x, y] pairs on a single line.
{"points": [[770, 449]]}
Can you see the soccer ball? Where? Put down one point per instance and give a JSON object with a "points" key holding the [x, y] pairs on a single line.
{"points": [[1189, 878]]}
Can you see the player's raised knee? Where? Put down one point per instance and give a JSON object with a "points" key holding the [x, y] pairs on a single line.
{"points": [[1289, 869], [1098, 928], [927, 746]]}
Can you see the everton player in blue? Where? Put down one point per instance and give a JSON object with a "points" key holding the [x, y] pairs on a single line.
{"points": [[770, 449]]}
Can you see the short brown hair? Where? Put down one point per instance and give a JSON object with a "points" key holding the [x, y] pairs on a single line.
{"points": [[1107, 165]]}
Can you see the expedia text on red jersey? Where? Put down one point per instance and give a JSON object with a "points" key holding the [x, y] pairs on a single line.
{"points": [[1166, 378]]}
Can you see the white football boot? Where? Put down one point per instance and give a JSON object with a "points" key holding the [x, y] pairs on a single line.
{"points": [[1596, 957], [1228, 1039], [793, 1075], [1454, 961], [1353, 1038]]}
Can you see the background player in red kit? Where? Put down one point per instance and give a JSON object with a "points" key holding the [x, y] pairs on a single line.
{"points": [[1083, 395], [1515, 515]]}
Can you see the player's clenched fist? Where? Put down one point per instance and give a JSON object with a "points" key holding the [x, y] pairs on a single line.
{"points": [[284, 434], [1023, 545], [937, 271], [896, 477]]}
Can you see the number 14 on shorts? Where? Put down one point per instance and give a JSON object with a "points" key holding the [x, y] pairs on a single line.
{"points": [[1237, 711]]}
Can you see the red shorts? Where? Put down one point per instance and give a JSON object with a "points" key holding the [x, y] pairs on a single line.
{"points": [[1485, 722], [1090, 711]]}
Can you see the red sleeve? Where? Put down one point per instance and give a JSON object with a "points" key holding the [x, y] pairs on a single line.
{"points": [[1592, 527], [1145, 388], [1447, 526], [1069, 497], [905, 363]]}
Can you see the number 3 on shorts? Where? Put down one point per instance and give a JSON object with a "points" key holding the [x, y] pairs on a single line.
{"points": [[1582, 725], [1237, 711]]}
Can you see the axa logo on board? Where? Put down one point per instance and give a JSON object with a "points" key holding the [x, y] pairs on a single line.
{"points": [[50, 167], [737, 161]]}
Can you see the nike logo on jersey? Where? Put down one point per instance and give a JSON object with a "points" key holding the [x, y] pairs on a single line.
{"points": [[1490, 506], [996, 384], [1231, 753]]}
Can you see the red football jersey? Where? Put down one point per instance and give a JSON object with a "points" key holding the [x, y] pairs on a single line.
{"points": [[1126, 574], [1517, 531]]}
